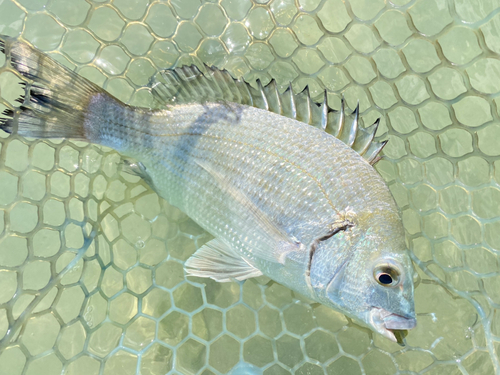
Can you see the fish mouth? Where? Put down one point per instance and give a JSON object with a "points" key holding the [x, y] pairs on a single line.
{"points": [[387, 323]]}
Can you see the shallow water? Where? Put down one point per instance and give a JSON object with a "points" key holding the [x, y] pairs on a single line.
{"points": [[91, 260]]}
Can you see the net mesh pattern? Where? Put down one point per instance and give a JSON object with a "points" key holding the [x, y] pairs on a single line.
{"points": [[91, 278]]}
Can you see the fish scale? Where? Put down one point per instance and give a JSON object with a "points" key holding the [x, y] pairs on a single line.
{"points": [[282, 197]]}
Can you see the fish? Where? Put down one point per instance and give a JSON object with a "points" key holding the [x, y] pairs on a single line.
{"points": [[285, 186]]}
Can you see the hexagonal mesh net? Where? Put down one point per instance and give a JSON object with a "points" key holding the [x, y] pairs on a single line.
{"points": [[91, 278]]}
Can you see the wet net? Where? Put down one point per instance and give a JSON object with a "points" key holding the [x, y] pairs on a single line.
{"points": [[91, 278]]}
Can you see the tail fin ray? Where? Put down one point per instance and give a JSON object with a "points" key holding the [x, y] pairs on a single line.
{"points": [[58, 98]]}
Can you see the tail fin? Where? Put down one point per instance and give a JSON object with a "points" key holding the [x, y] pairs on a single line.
{"points": [[57, 98]]}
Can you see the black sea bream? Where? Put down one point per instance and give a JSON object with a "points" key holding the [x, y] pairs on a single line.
{"points": [[285, 186]]}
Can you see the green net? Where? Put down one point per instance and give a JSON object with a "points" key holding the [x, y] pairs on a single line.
{"points": [[91, 278]]}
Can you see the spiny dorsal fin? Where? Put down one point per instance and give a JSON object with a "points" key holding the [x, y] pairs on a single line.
{"points": [[188, 84]]}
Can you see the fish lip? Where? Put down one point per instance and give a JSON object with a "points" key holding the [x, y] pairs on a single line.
{"points": [[386, 322], [398, 322]]}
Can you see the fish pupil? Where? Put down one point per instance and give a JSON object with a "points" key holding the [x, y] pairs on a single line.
{"points": [[385, 279]]}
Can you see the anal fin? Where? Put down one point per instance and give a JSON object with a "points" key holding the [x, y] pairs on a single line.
{"points": [[217, 261]]}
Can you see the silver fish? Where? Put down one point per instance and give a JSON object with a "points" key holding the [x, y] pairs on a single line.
{"points": [[301, 204]]}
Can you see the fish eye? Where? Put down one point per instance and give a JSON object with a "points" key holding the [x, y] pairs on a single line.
{"points": [[387, 275]]}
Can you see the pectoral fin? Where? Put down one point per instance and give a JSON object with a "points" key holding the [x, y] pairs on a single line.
{"points": [[136, 168], [218, 261]]}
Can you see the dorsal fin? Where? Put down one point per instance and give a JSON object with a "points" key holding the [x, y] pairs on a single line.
{"points": [[187, 84]]}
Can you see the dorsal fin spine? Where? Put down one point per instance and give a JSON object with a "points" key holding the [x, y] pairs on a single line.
{"points": [[168, 90], [373, 156], [229, 86], [246, 97], [209, 89], [219, 81], [371, 131], [244, 88], [184, 89], [188, 73], [278, 97], [262, 94], [308, 105], [237, 91], [304, 106], [354, 127], [341, 120], [273, 97], [211, 84], [324, 111], [293, 104]]}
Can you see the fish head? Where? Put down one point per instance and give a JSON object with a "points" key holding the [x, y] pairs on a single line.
{"points": [[367, 274]]}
